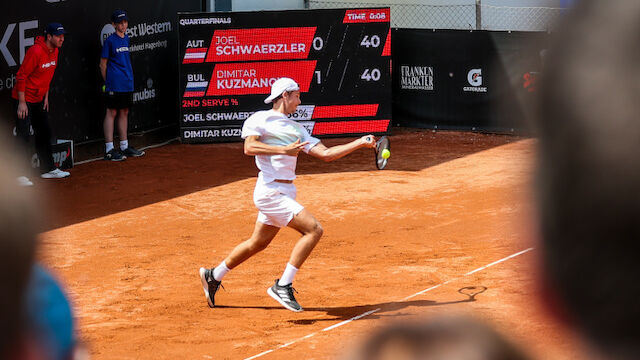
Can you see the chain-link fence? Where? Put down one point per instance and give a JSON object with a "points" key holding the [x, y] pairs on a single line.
{"points": [[459, 17], [519, 18]]}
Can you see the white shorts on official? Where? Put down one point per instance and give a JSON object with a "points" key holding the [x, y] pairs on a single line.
{"points": [[276, 203]]}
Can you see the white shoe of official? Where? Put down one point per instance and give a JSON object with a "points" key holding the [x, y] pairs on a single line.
{"points": [[55, 174], [24, 181]]}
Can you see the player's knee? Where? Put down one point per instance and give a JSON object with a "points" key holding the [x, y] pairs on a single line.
{"points": [[257, 246], [317, 230]]}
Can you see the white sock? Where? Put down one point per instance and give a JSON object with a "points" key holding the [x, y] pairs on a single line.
{"points": [[220, 271], [288, 275], [124, 144], [108, 146]]}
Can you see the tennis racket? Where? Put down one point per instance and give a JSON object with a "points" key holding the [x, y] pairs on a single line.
{"points": [[381, 145]]}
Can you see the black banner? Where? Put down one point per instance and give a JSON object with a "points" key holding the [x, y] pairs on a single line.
{"points": [[76, 104], [340, 58], [464, 80]]}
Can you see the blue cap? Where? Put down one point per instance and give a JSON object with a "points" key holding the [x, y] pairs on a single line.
{"points": [[54, 29], [118, 16]]}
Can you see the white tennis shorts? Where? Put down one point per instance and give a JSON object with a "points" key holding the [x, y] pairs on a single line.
{"points": [[276, 203]]}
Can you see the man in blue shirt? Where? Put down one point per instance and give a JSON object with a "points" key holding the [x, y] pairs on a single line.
{"points": [[116, 70]]}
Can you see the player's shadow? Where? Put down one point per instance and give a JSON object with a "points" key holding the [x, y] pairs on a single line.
{"points": [[341, 313], [102, 188]]}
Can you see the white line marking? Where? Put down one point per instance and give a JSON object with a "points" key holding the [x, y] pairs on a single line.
{"points": [[257, 356], [499, 261], [422, 292], [378, 309], [350, 320]]}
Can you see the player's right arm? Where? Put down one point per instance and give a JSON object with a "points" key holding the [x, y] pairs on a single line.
{"points": [[253, 146], [103, 68], [23, 110], [29, 64], [104, 56]]}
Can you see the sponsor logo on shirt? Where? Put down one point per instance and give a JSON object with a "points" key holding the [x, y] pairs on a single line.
{"points": [[49, 64], [122, 49]]}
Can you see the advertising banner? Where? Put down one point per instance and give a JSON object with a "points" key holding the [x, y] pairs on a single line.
{"points": [[465, 80], [76, 102], [341, 58]]}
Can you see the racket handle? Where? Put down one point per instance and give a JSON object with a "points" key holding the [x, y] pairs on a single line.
{"points": [[369, 138]]}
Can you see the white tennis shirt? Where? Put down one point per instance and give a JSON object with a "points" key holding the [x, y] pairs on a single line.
{"points": [[275, 128]]}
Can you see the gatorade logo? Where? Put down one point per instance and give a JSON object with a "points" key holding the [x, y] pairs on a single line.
{"points": [[475, 77]]}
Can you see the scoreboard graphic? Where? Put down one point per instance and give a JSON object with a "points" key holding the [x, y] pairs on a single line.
{"points": [[340, 57]]}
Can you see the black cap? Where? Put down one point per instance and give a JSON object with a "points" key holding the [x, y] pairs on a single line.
{"points": [[54, 29], [118, 16]]}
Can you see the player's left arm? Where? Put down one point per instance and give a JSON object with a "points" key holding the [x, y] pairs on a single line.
{"points": [[336, 152]]}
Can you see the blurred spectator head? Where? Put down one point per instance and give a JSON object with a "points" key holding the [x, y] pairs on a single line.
{"points": [[439, 338], [49, 316], [588, 174], [18, 222]]}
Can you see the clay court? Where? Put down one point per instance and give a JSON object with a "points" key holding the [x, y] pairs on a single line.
{"points": [[128, 238]]}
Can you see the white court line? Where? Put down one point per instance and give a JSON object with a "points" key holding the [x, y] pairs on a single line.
{"points": [[378, 309], [499, 261], [350, 320]]}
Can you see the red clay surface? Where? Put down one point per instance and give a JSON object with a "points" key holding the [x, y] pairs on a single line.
{"points": [[128, 238]]}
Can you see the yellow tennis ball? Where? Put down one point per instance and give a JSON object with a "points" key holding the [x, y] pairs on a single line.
{"points": [[386, 153]]}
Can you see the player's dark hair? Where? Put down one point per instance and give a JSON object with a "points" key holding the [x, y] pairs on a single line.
{"points": [[279, 97], [588, 175]]}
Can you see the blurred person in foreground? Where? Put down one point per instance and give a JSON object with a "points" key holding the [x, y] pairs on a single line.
{"points": [[588, 176], [17, 250], [36, 319], [438, 338], [49, 318]]}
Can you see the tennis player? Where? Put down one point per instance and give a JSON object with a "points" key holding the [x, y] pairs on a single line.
{"points": [[276, 141]]}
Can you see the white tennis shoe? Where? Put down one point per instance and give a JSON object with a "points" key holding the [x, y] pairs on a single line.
{"points": [[55, 174], [24, 181]]}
